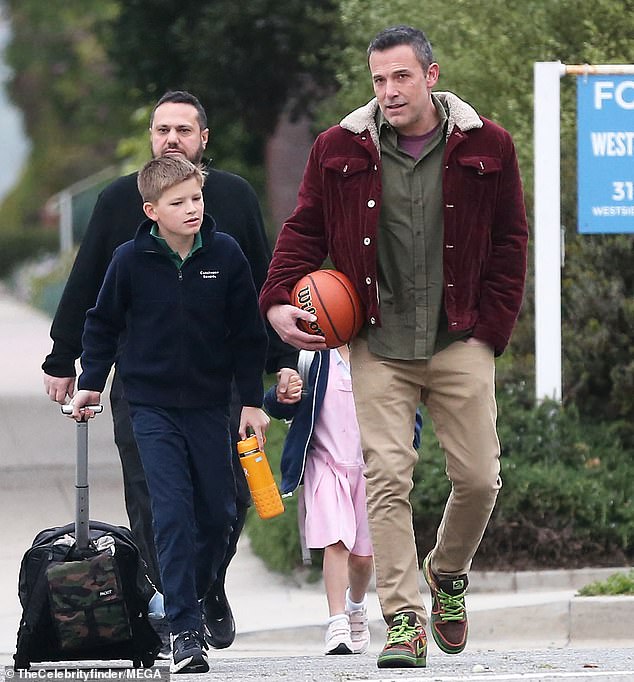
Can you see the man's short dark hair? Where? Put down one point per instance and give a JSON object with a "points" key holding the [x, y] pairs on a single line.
{"points": [[182, 97], [404, 35]]}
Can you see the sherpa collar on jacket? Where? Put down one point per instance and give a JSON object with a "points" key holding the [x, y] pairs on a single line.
{"points": [[460, 114]]}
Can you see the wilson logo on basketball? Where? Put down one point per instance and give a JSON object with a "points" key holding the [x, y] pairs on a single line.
{"points": [[332, 298], [305, 302]]}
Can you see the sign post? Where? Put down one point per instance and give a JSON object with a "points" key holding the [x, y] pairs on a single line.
{"points": [[547, 231]]}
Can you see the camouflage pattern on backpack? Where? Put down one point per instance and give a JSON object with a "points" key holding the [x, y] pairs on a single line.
{"points": [[86, 602]]}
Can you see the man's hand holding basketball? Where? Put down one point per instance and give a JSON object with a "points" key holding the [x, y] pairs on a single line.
{"points": [[283, 318]]}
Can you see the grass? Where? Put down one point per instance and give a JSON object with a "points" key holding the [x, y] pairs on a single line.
{"points": [[617, 583]]}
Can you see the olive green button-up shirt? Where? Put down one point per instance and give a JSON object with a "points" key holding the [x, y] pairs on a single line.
{"points": [[410, 247]]}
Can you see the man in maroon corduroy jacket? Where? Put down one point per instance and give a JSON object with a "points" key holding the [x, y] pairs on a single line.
{"points": [[419, 201]]}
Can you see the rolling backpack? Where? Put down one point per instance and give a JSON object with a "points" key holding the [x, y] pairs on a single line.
{"points": [[84, 589]]}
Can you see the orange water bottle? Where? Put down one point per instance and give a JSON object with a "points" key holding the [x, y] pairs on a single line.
{"points": [[257, 471]]}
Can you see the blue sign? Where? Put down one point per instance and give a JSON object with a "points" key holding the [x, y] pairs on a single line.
{"points": [[605, 153]]}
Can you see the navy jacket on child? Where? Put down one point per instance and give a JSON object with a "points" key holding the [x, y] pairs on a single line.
{"points": [[186, 332], [313, 368]]}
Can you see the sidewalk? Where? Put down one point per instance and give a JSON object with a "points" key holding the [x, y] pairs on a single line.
{"points": [[37, 447]]}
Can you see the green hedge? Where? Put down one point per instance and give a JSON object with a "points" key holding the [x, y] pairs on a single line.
{"points": [[567, 495], [565, 502]]}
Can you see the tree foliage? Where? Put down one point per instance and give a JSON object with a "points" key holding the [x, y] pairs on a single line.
{"points": [[245, 61], [73, 107]]}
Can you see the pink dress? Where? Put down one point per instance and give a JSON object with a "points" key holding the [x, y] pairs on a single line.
{"points": [[334, 486]]}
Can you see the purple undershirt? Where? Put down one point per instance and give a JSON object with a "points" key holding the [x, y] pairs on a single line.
{"points": [[413, 145]]}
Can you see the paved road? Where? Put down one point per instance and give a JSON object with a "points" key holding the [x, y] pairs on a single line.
{"points": [[591, 665]]}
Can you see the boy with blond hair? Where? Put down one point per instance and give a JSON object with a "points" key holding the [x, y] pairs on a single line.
{"points": [[182, 297]]}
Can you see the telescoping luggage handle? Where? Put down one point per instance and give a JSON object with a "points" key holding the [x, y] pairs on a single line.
{"points": [[81, 478]]}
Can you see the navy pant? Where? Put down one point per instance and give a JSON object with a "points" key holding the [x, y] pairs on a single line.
{"points": [[137, 498], [186, 456]]}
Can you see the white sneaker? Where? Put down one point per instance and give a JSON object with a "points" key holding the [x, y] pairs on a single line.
{"points": [[338, 640], [359, 630]]}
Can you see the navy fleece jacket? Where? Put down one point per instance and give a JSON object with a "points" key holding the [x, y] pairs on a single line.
{"points": [[185, 333]]}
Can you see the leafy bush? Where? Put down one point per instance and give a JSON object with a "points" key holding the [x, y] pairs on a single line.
{"points": [[598, 317], [566, 489], [617, 583]]}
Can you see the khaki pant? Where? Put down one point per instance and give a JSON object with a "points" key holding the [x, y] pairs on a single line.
{"points": [[457, 386]]}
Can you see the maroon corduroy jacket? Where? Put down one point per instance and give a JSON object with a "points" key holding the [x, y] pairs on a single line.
{"points": [[485, 228]]}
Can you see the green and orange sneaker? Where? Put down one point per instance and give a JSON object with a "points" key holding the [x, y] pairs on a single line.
{"points": [[448, 621], [406, 645]]}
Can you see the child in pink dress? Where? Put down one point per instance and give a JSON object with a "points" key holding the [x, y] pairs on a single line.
{"points": [[323, 451]]}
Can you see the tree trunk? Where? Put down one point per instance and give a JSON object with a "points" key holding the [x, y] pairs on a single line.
{"points": [[286, 154]]}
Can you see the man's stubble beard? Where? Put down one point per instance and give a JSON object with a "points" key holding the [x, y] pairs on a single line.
{"points": [[197, 160]]}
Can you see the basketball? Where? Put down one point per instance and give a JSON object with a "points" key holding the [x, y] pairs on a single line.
{"points": [[331, 296]]}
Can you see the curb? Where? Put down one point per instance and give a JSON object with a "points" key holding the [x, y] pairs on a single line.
{"points": [[578, 621], [530, 581], [600, 619], [569, 621]]}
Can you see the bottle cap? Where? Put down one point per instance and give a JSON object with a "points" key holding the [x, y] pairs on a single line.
{"points": [[249, 444]]}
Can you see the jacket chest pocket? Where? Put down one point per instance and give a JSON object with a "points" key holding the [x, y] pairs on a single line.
{"points": [[479, 178], [346, 188], [343, 174], [480, 170], [346, 166]]}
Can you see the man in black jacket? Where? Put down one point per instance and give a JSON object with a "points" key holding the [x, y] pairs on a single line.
{"points": [[178, 125]]}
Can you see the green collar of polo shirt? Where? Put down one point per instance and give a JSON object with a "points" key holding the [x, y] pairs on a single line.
{"points": [[175, 257]]}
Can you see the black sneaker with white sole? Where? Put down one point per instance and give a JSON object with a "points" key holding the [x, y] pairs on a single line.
{"points": [[189, 653], [219, 625]]}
